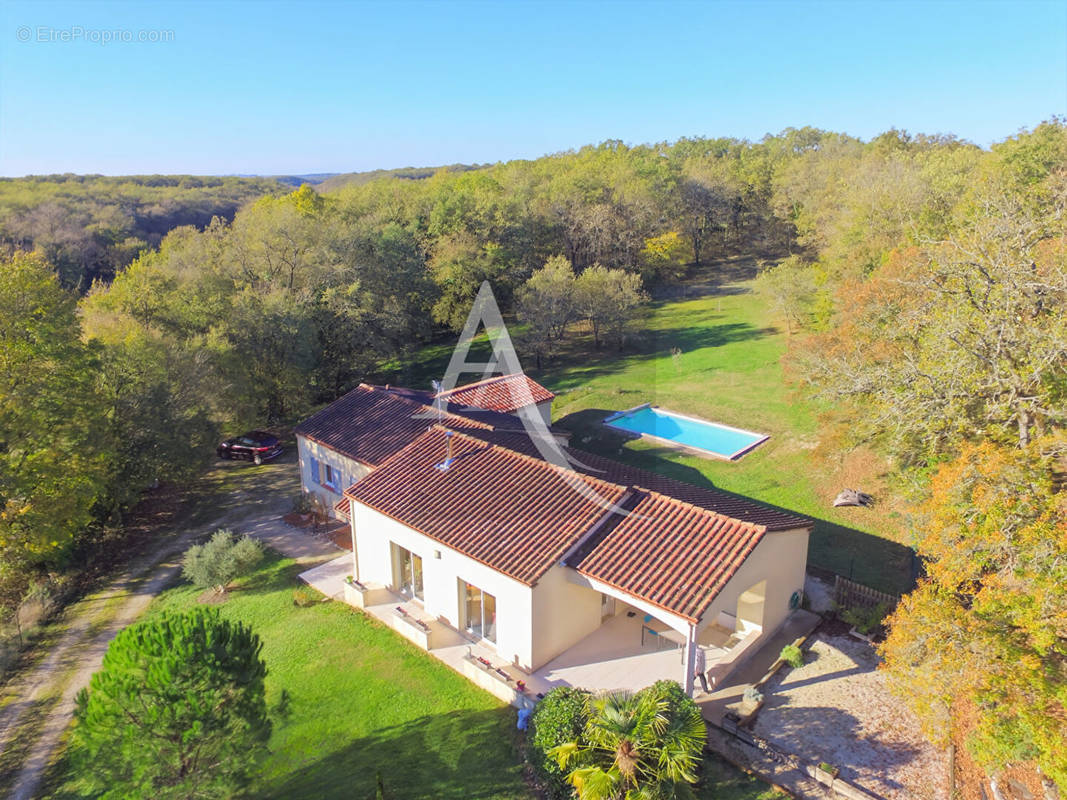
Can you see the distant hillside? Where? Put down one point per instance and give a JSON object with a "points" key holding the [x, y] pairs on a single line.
{"points": [[91, 226], [296, 181], [408, 173]]}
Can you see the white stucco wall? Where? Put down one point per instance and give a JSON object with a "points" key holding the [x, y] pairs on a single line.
{"points": [[564, 613], [780, 560], [545, 407], [374, 534], [351, 470]]}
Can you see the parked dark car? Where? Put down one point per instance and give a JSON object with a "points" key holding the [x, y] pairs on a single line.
{"points": [[255, 446]]}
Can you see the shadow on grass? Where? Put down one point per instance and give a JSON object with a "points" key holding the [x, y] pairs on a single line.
{"points": [[651, 345], [833, 548], [459, 755]]}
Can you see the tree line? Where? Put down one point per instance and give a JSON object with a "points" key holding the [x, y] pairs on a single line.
{"points": [[928, 293], [922, 278]]}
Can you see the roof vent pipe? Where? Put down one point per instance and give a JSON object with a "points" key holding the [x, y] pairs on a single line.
{"points": [[444, 465]]}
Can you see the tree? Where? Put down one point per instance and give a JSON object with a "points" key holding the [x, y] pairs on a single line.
{"points": [[176, 711], [546, 304], [790, 290], [663, 257], [646, 744], [224, 557], [608, 299], [54, 442], [962, 339], [987, 628]]}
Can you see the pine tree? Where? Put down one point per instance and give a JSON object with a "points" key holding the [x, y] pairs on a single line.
{"points": [[177, 711]]}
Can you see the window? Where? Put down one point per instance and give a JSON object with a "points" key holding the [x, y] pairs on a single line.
{"points": [[315, 470], [408, 576], [479, 612], [332, 479]]}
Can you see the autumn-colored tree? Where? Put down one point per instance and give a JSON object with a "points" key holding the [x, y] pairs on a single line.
{"points": [[987, 626], [962, 339]]}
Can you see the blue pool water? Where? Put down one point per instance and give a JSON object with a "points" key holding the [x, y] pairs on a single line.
{"points": [[720, 440]]}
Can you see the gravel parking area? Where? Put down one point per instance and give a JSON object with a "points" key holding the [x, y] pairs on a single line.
{"points": [[837, 708]]}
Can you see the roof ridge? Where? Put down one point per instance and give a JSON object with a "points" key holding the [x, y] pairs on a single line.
{"points": [[482, 381], [526, 457]]}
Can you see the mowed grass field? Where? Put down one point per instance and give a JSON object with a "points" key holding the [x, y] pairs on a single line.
{"points": [[716, 352], [360, 700]]}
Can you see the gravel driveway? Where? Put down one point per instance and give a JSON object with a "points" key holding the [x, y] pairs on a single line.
{"points": [[837, 708]]}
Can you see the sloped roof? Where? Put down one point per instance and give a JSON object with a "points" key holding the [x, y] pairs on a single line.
{"points": [[512, 512], [504, 393], [670, 553], [370, 425], [721, 502]]}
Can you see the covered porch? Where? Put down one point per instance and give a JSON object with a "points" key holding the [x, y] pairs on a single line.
{"points": [[638, 643], [633, 649]]}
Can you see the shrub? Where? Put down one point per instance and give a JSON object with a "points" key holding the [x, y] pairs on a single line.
{"points": [[302, 504], [753, 695], [792, 655], [558, 718], [177, 710], [225, 557], [864, 619]]}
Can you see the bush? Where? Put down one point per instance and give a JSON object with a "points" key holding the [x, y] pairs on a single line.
{"points": [[558, 718], [753, 695], [302, 504], [225, 557], [864, 619], [792, 655], [177, 710]]}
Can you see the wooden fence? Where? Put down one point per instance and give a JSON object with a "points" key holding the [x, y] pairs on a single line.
{"points": [[849, 594]]}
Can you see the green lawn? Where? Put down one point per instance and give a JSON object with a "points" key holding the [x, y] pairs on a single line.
{"points": [[362, 700], [730, 371]]}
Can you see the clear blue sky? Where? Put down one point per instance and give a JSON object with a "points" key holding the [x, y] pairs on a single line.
{"points": [[245, 87]]}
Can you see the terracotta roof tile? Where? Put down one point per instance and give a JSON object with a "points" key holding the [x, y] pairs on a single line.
{"points": [[512, 512], [370, 425], [672, 554], [504, 393], [717, 500]]}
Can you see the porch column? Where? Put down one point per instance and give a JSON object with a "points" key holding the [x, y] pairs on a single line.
{"points": [[690, 659]]}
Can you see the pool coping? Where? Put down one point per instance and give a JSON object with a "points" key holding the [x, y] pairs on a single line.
{"points": [[761, 437]]}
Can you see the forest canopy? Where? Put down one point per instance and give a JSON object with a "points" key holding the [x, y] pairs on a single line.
{"points": [[922, 279]]}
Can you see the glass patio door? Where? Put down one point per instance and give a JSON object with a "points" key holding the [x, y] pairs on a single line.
{"points": [[409, 577], [479, 612]]}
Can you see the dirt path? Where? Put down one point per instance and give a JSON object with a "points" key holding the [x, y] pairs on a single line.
{"points": [[254, 506]]}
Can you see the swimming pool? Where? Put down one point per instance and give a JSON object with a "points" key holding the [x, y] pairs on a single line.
{"points": [[720, 441]]}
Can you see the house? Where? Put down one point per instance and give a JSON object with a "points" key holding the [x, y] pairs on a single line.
{"points": [[346, 440], [597, 574]]}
